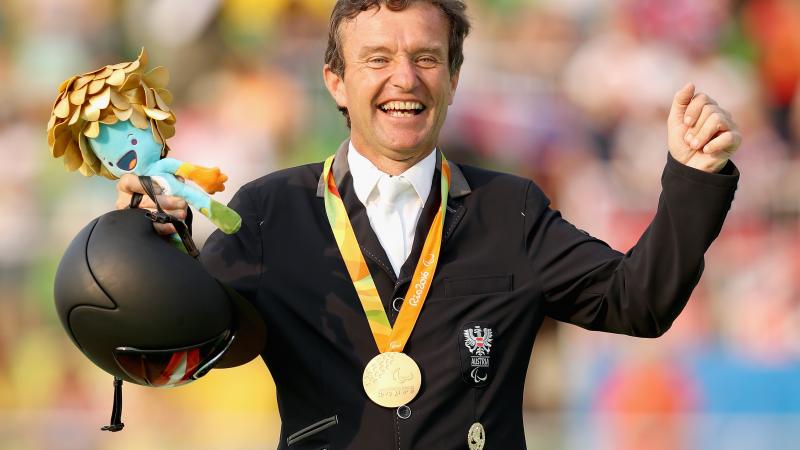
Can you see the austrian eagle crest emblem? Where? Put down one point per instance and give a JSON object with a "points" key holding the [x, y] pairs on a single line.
{"points": [[478, 340]]}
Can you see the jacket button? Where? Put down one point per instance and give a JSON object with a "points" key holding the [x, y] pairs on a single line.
{"points": [[397, 304], [404, 412]]}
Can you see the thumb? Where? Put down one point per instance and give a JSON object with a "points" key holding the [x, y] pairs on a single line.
{"points": [[681, 101]]}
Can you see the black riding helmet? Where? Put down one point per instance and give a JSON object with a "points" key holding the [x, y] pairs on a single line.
{"points": [[146, 312]]}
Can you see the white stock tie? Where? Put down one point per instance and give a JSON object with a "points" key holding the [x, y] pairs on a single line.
{"points": [[389, 219]]}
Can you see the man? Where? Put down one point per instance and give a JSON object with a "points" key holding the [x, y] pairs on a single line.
{"points": [[506, 260]]}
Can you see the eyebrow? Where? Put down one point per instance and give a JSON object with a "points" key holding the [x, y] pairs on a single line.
{"points": [[373, 49], [383, 49], [434, 49]]}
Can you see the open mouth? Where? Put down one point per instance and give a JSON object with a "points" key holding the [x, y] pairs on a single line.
{"points": [[402, 109], [128, 161]]}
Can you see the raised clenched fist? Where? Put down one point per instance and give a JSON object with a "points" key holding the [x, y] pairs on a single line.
{"points": [[700, 133]]}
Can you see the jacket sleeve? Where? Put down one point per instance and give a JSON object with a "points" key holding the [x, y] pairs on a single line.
{"points": [[639, 293], [236, 259]]}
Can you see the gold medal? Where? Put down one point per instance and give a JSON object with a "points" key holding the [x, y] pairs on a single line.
{"points": [[476, 436], [392, 379]]}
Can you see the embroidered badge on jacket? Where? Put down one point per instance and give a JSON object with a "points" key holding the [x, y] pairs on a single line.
{"points": [[475, 345]]}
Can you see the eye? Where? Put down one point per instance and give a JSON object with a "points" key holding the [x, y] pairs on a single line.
{"points": [[134, 141], [378, 62], [427, 61]]}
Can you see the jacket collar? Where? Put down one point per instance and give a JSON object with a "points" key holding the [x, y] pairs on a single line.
{"points": [[458, 184]]}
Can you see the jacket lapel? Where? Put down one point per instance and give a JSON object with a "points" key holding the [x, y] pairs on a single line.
{"points": [[459, 188], [378, 263], [367, 239]]}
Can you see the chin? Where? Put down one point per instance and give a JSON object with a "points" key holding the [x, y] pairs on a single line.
{"points": [[407, 144]]}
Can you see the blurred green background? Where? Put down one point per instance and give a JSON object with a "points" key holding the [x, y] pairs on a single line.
{"points": [[573, 93]]}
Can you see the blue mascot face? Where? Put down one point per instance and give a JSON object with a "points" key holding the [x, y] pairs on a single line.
{"points": [[122, 148]]}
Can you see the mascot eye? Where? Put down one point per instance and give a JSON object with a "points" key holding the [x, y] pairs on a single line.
{"points": [[134, 142]]}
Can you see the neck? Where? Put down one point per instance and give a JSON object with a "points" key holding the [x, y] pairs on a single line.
{"points": [[393, 164], [395, 167]]}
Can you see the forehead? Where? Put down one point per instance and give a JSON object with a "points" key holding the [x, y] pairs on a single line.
{"points": [[421, 25]]}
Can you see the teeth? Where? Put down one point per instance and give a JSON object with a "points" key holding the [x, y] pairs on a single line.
{"points": [[395, 105], [400, 114]]}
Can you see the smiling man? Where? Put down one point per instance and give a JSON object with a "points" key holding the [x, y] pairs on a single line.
{"points": [[402, 293], [390, 74]]}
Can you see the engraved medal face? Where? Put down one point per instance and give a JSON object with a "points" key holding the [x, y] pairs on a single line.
{"points": [[476, 437], [392, 379]]}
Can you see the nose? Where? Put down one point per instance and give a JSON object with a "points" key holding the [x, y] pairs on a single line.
{"points": [[404, 75]]}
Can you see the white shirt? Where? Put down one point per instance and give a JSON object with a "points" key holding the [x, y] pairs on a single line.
{"points": [[394, 224]]}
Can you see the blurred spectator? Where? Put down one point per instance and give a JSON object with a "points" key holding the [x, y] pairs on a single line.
{"points": [[573, 93], [774, 26]]}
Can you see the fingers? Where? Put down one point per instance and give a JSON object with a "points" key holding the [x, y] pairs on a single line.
{"points": [[164, 229], [707, 110], [700, 133], [179, 212], [712, 122], [725, 141], [129, 184], [123, 200], [695, 108], [167, 202], [714, 125], [706, 121], [172, 205], [681, 101], [175, 206], [126, 186]]}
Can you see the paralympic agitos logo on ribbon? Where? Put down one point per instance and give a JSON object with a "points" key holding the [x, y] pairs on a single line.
{"points": [[475, 345]]}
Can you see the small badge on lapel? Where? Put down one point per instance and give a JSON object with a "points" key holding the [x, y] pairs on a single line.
{"points": [[475, 343]]}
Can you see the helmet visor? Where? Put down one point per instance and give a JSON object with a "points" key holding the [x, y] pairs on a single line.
{"points": [[167, 368]]}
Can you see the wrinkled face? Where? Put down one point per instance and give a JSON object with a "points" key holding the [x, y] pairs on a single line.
{"points": [[397, 84], [123, 148]]}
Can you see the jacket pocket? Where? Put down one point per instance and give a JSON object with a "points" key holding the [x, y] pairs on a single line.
{"points": [[489, 284], [311, 430]]}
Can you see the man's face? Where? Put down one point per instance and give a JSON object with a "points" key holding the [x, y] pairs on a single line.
{"points": [[397, 84]]}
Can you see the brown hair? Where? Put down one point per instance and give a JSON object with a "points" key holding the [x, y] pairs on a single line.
{"points": [[454, 10]]}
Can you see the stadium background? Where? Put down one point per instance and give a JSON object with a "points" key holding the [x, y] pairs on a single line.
{"points": [[573, 93]]}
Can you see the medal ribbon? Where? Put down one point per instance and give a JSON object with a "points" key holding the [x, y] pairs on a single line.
{"points": [[387, 338]]}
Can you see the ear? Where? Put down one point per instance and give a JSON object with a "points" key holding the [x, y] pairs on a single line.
{"points": [[453, 86], [335, 85]]}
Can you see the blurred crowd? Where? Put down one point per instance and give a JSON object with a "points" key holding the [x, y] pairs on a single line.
{"points": [[572, 93]]}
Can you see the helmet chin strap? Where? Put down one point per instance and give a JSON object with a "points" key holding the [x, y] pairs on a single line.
{"points": [[162, 217], [116, 411]]}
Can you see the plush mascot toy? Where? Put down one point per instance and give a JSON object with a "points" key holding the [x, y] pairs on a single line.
{"points": [[116, 120]]}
